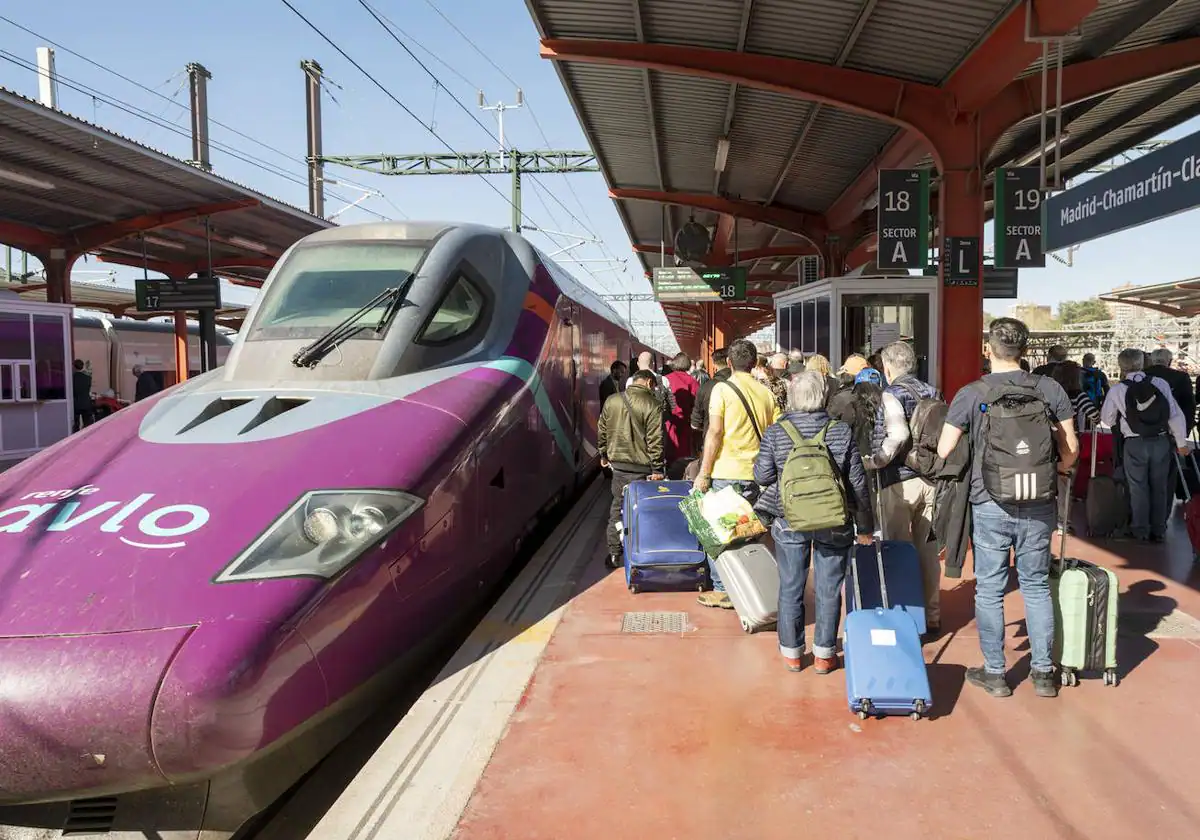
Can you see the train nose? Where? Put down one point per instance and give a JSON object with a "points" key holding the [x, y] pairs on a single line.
{"points": [[75, 711]]}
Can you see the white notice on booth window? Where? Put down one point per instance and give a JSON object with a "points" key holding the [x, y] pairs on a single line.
{"points": [[883, 334], [886, 638]]}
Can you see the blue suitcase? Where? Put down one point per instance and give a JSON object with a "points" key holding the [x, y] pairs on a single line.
{"points": [[885, 668], [904, 584], [660, 551]]}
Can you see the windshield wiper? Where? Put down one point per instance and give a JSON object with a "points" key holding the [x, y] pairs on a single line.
{"points": [[311, 354]]}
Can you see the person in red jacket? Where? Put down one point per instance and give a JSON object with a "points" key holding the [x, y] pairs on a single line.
{"points": [[683, 387]]}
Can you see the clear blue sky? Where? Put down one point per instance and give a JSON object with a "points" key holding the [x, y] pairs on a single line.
{"points": [[253, 49]]}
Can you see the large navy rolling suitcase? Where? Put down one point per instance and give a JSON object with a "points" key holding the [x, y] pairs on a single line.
{"points": [[903, 570], [885, 668], [660, 551]]}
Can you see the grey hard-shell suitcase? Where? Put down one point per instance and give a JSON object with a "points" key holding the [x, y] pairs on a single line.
{"points": [[751, 578]]}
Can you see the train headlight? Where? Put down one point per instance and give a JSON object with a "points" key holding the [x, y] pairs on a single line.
{"points": [[321, 534]]}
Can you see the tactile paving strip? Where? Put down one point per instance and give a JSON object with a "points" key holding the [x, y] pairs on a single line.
{"points": [[654, 622]]}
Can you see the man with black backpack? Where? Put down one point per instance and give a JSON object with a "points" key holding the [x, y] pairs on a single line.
{"points": [[904, 443], [1022, 436], [1149, 418]]}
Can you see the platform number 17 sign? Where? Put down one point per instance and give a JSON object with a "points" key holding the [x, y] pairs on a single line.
{"points": [[903, 218]]}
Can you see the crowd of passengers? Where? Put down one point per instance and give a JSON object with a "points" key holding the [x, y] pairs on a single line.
{"points": [[681, 423]]}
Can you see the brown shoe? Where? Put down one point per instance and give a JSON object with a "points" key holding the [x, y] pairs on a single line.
{"points": [[793, 664], [825, 666], [720, 600]]}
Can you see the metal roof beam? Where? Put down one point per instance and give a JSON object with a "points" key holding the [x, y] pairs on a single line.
{"points": [[1127, 25], [808, 225], [1019, 101], [907, 104], [90, 238], [1142, 136], [719, 250], [749, 255], [26, 237], [1095, 135], [1085, 80], [990, 67], [186, 269]]}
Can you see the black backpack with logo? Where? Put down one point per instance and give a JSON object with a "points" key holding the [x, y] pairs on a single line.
{"points": [[1018, 459], [1147, 411]]}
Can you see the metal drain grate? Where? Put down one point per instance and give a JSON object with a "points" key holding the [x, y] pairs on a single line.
{"points": [[90, 816], [654, 622], [1156, 625]]}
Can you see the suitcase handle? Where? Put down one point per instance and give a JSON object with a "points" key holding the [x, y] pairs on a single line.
{"points": [[878, 545]]}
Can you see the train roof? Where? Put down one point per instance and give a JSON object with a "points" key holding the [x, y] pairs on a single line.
{"points": [[429, 230], [130, 325]]}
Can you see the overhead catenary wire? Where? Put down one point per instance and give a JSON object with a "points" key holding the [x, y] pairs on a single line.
{"points": [[140, 113], [386, 92], [589, 227], [392, 29]]}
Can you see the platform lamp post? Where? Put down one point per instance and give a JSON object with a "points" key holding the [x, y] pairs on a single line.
{"points": [[316, 168]]}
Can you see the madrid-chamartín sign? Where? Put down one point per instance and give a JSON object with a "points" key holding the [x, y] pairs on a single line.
{"points": [[1157, 185]]}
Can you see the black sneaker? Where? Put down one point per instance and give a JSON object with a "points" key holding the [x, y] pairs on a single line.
{"points": [[614, 561], [1044, 683], [993, 684]]}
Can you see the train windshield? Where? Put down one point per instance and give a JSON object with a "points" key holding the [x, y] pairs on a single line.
{"points": [[322, 285]]}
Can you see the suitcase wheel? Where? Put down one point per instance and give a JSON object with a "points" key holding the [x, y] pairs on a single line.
{"points": [[633, 589], [1111, 678], [919, 710], [748, 629], [864, 709], [1069, 678]]}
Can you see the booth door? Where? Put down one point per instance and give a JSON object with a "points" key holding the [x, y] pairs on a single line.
{"points": [[35, 394], [872, 320]]}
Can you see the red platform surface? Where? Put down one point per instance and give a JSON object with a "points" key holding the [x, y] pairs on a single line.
{"points": [[705, 735]]}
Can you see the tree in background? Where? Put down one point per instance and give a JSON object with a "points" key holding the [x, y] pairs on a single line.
{"points": [[988, 317], [1083, 311]]}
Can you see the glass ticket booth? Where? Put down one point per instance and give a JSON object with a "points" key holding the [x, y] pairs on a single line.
{"points": [[839, 316]]}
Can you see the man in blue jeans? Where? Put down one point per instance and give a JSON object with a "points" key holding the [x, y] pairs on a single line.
{"points": [[1024, 527]]}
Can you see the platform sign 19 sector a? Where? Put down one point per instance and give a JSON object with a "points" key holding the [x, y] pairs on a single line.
{"points": [[202, 292], [681, 284], [903, 218], [1017, 230], [1157, 185]]}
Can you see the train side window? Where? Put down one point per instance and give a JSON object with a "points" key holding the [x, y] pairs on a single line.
{"points": [[455, 316]]}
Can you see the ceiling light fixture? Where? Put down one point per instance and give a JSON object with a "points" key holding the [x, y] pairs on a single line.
{"points": [[165, 243], [248, 243], [27, 180], [722, 154]]}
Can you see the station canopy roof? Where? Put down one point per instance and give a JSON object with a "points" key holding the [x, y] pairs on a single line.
{"points": [[70, 184], [111, 299], [1180, 299], [656, 91]]}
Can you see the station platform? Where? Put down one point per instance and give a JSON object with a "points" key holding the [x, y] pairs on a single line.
{"points": [[577, 710]]}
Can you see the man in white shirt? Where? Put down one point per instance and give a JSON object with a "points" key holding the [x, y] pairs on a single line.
{"points": [[1149, 419]]}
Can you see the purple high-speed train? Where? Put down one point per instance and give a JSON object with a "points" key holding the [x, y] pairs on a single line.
{"points": [[205, 591]]}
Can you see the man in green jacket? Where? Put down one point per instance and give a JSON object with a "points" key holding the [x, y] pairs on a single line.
{"points": [[630, 438]]}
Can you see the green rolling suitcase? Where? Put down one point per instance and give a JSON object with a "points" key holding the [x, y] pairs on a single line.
{"points": [[1085, 616]]}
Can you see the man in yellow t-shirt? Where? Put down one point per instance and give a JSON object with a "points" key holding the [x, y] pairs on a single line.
{"points": [[740, 409]]}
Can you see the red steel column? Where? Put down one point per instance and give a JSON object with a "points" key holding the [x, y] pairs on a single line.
{"points": [[960, 213], [181, 347]]}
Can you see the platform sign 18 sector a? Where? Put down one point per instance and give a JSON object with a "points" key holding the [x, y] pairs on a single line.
{"points": [[681, 284], [1018, 225], [903, 218]]}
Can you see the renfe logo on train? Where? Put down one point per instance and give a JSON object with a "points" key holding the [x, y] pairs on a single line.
{"points": [[59, 510]]}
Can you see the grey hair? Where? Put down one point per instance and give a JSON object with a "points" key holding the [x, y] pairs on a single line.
{"points": [[900, 358], [779, 361], [806, 391], [1161, 356], [1131, 360]]}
